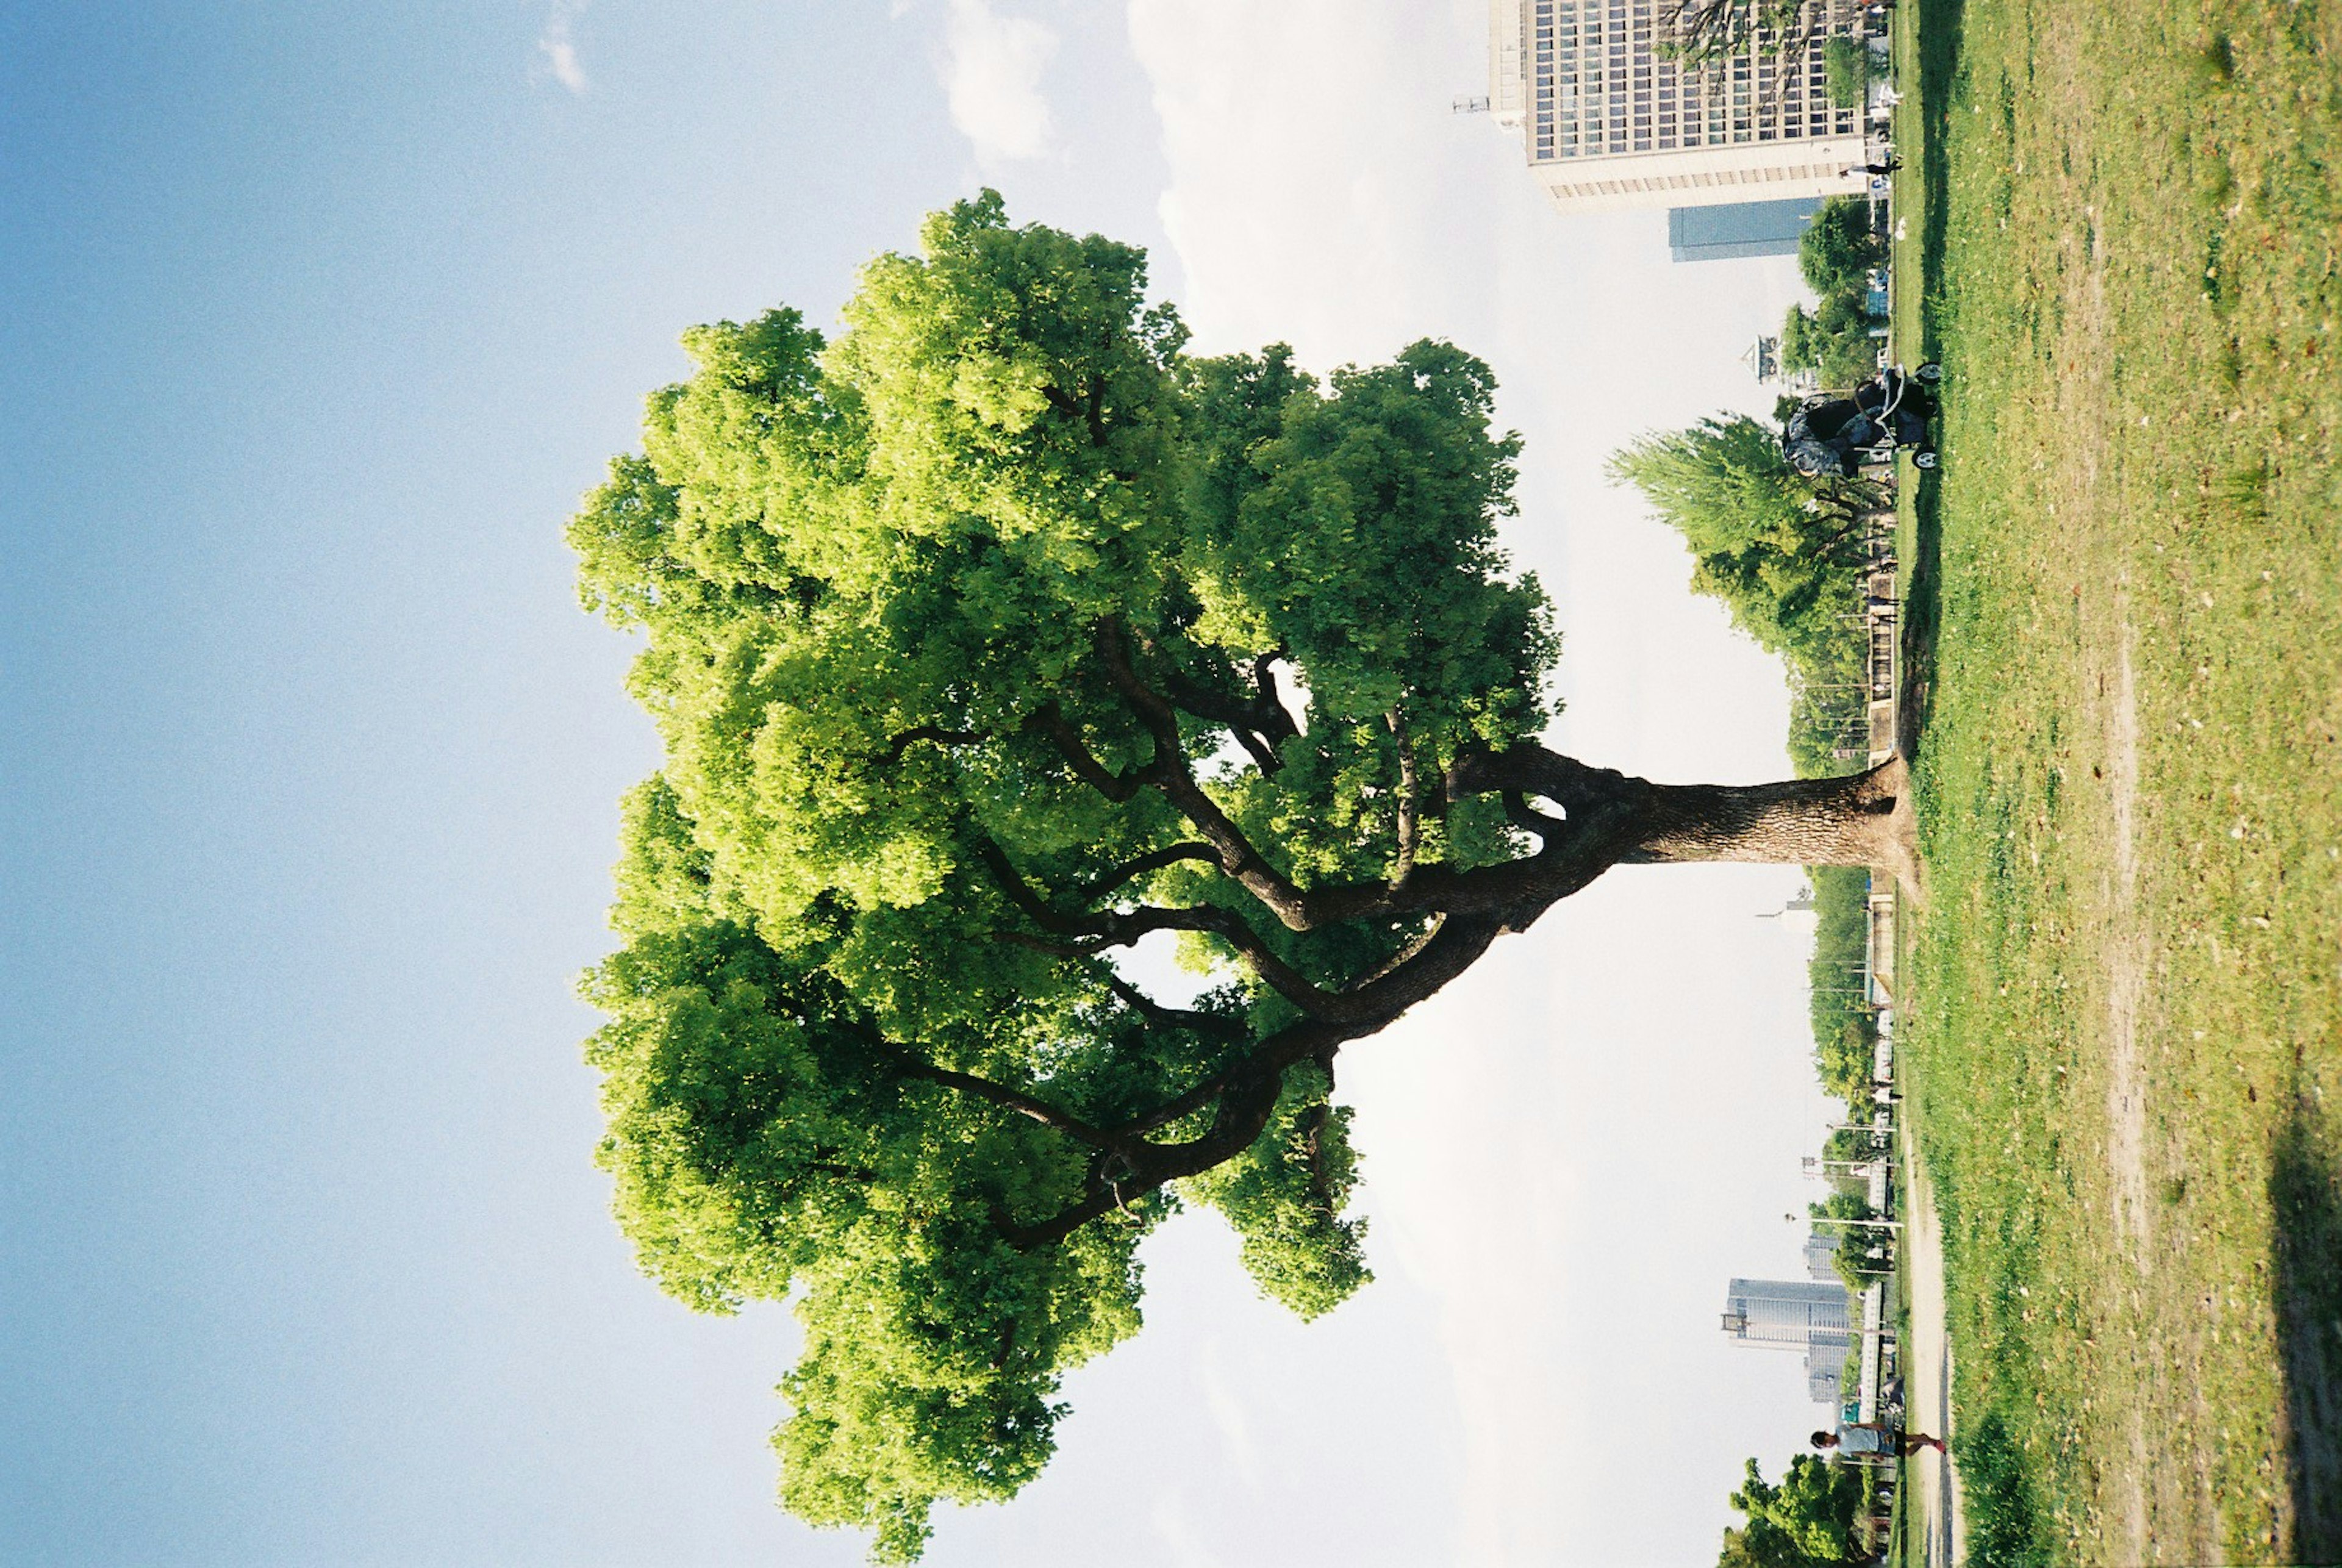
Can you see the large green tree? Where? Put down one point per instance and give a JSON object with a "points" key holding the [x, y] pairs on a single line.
{"points": [[985, 642], [1782, 551], [1839, 246]]}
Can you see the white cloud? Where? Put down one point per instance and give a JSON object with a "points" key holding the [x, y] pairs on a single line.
{"points": [[992, 78], [1307, 144], [559, 49]]}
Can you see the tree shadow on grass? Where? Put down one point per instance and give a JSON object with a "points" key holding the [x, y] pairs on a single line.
{"points": [[1939, 69], [2003, 1515], [2306, 1199], [1920, 611], [1939, 27]]}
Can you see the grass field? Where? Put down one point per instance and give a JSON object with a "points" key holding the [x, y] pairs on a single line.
{"points": [[2123, 1020]]}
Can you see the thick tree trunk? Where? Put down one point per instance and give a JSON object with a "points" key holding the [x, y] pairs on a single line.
{"points": [[1860, 820], [1613, 819]]}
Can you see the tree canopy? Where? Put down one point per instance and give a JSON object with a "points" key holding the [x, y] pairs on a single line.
{"points": [[985, 642], [1806, 1522], [1845, 71]]}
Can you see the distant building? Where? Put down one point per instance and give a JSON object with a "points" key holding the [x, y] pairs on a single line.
{"points": [[1796, 1314], [1790, 1314], [1609, 121], [1738, 229], [1821, 1257]]}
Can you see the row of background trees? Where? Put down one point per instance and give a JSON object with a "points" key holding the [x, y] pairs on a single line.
{"points": [[1788, 556], [1837, 253]]}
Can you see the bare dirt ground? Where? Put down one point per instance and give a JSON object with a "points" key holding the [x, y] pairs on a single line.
{"points": [[1927, 1380]]}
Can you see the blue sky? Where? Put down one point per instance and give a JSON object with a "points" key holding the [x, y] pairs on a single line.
{"points": [[321, 318]]}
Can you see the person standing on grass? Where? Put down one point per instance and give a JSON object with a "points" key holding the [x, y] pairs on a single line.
{"points": [[1874, 1438]]}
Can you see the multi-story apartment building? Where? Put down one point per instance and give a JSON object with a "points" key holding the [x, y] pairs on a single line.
{"points": [[1610, 121]]}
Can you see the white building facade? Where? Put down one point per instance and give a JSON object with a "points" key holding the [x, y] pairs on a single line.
{"points": [[1609, 122]]}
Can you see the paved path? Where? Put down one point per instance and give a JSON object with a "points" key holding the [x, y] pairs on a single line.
{"points": [[1927, 1380]]}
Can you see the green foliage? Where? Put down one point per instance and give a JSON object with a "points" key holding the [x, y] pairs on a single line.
{"points": [[1801, 347], [1845, 67], [1782, 551], [866, 1049], [1849, 353], [1836, 254], [1778, 549], [1838, 246], [1846, 1031], [1805, 1521], [1285, 1194]]}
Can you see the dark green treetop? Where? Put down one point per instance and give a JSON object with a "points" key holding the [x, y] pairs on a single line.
{"points": [[1839, 247]]}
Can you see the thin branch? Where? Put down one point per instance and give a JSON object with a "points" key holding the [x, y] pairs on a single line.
{"points": [[1398, 960], [1258, 722], [1186, 1104], [1154, 860], [1163, 1017], [1094, 933], [998, 1093], [1116, 787]]}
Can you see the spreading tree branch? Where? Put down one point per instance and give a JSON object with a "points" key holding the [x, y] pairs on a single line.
{"points": [[1153, 861], [1169, 773], [1096, 931], [1259, 722], [913, 1066], [1116, 787]]}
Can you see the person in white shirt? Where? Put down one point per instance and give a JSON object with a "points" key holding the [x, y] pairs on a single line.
{"points": [[1872, 1437]]}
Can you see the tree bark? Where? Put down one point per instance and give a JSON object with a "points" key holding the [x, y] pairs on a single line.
{"points": [[1858, 820], [1614, 819]]}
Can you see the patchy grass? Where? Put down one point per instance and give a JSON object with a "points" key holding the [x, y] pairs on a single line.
{"points": [[2123, 1020]]}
